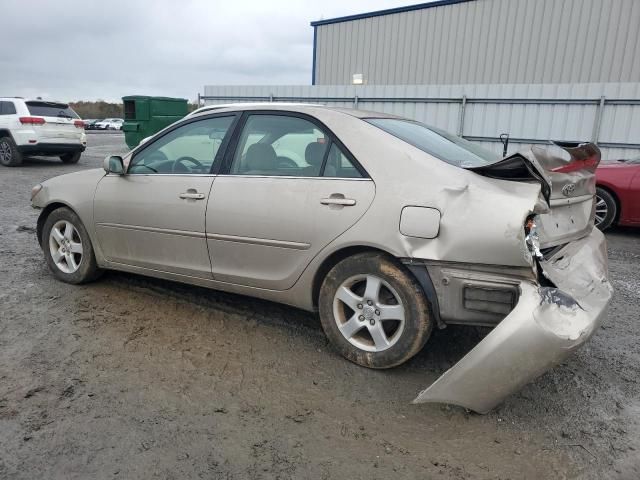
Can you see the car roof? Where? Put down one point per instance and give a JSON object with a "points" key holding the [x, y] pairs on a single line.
{"points": [[38, 100], [309, 108], [41, 100]]}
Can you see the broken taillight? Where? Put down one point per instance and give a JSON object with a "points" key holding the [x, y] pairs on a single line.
{"points": [[531, 237]]}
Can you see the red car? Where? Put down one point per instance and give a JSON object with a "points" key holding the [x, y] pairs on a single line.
{"points": [[618, 193]]}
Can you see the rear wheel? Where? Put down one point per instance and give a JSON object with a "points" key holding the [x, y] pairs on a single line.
{"points": [[68, 249], [374, 311], [606, 209], [70, 157], [9, 154]]}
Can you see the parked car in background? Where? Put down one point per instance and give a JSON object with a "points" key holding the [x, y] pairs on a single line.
{"points": [[90, 123], [618, 193], [387, 227], [109, 124], [37, 127]]}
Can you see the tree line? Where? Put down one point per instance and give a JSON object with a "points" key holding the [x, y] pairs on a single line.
{"points": [[98, 109], [101, 109]]}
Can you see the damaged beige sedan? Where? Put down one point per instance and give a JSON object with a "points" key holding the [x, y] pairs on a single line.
{"points": [[387, 227]]}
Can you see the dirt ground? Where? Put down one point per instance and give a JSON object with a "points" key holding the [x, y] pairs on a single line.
{"points": [[137, 378]]}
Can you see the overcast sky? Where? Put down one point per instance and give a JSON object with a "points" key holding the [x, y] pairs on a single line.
{"points": [[85, 50]]}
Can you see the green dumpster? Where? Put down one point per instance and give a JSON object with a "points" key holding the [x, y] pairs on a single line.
{"points": [[144, 116]]}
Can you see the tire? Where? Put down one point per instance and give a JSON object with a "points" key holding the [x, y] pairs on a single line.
{"points": [[606, 209], [9, 154], [83, 268], [351, 279], [70, 158]]}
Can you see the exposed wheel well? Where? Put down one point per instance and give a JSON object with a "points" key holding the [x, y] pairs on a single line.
{"points": [[336, 257], [46, 211], [615, 198], [332, 260], [421, 277]]}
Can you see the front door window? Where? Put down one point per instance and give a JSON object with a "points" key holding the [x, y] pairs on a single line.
{"points": [[189, 149]]}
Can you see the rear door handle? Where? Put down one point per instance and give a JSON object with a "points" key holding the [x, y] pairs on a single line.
{"points": [[346, 202], [192, 195]]}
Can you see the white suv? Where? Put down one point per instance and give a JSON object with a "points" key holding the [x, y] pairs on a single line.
{"points": [[36, 127]]}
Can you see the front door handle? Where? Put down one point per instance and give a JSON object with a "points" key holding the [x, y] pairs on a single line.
{"points": [[192, 195], [338, 200]]}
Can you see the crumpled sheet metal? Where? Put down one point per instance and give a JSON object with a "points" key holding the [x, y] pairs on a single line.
{"points": [[573, 184], [558, 171], [554, 172], [546, 325]]}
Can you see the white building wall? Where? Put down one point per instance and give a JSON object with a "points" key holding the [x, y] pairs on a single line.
{"points": [[532, 112]]}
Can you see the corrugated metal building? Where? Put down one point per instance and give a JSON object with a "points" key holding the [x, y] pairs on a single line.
{"points": [[538, 70], [482, 42]]}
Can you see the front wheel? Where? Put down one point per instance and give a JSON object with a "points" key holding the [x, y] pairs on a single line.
{"points": [[70, 158], [68, 249], [374, 311]]}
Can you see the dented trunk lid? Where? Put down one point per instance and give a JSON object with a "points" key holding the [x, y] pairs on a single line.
{"points": [[565, 211]]}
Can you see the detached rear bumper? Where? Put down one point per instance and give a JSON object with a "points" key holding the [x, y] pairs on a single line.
{"points": [[545, 327]]}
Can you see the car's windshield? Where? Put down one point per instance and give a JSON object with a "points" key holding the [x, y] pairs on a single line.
{"points": [[439, 143]]}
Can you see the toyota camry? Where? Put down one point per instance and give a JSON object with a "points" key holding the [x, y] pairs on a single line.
{"points": [[387, 227]]}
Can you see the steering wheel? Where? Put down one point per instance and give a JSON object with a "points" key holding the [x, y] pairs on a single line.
{"points": [[156, 156], [186, 159]]}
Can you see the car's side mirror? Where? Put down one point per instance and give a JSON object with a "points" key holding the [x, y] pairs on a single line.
{"points": [[113, 164]]}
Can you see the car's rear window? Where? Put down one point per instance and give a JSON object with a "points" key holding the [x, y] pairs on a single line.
{"points": [[439, 143], [50, 109]]}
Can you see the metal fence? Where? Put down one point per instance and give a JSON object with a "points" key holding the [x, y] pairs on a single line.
{"points": [[607, 114]]}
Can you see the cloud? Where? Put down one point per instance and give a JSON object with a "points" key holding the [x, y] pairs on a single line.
{"points": [[73, 50]]}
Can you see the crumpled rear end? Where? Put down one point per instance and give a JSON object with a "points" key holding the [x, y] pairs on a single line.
{"points": [[568, 185], [547, 324]]}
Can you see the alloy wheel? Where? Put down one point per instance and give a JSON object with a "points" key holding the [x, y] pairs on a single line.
{"points": [[369, 313], [65, 246], [5, 152], [601, 210]]}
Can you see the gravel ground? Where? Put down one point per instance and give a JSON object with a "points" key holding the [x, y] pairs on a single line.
{"points": [[132, 377]]}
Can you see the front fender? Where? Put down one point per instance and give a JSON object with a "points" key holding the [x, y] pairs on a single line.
{"points": [[75, 191]]}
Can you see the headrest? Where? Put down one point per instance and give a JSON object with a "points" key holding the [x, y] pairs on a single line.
{"points": [[314, 153], [260, 156]]}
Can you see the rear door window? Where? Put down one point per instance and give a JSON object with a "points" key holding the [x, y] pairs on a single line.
{"points": [[339, 166], [279, 145], [51, 109]]}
